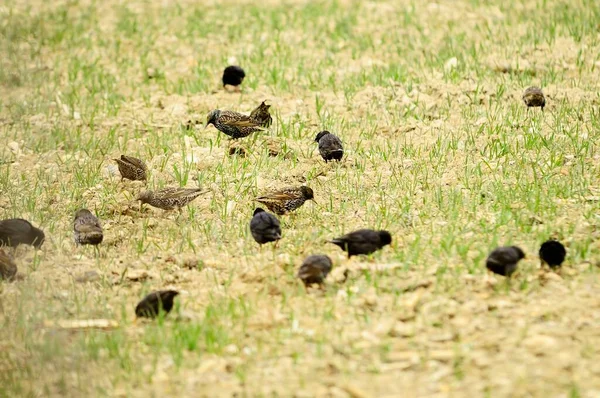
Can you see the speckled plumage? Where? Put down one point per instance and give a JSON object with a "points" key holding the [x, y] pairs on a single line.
{"points": [[314, 269], [8, 268], [503, 260], [233, 75], [363, 241], [330, 146], [87, 229], [150, 305], [534, 97], [132, 168], [17, 231], [233, 124], [286, 200], [265, 227], [169, 198], [262, 115], [553, 253]]}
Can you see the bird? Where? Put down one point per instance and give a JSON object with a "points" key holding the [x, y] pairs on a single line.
{"points": [[261, 115], [132, 168], [553, 253], [8, 268], [16, 231], [363, 241], [503, 260], [151, 305], [533, 96], [314, 269], [330, 146], [233, 76], [286, 200], [264, 227], [233, 124], [87, 229], [169, 198]]}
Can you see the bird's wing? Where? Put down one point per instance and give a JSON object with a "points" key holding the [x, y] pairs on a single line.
{"points": [[179, 192], [279, 196], [87, 228], [238, 120], [134, 161]]}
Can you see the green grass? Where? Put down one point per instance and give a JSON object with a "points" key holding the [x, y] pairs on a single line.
{"points": [[447, 158]]}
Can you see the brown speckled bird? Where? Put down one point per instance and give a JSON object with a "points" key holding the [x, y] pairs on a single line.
{"points": [[533, 97], [503, 260], [17, 231], [132, 168], [233, 124], [8, 268], [330, 146], [314, 269], [286, 200], [363, 241], [87, 229], [151, 305], [169, 198], [262, 115]]}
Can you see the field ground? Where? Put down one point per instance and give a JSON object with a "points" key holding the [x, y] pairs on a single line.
{"points": [[440, 150]]}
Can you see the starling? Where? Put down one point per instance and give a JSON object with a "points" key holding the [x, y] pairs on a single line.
{"points": [[363, 241], [261, 115], [232, 123], [533, 97], [151, 305], [314, 269], [330, 146], [265, 227], [131, 168], [8, 268], [286, 200], [16, 231], [553, 253], [87, 228], [169, 198], [233, 76], [503, 260]]}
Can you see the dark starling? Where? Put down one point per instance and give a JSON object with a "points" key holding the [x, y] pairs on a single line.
{"points": [[132, 168], [265, 227], [151, 305], [363, 241], [233, 124], [553, 253], [169, 198], [261, 115], [533, 97], [330, 146], [286, 200], [8, 268], [233, 76], [503, 260], [87, 228], [314, 269], [16, 231]]}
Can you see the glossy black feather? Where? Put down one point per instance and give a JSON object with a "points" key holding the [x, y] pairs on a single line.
{"points": [[16, 231], [330, 146], [553, 253], [363, 241], [150, 305], [503, 260], [265, 227], [233, 75]]}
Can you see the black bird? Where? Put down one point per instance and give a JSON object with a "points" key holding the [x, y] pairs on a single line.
{"points": [[86, 228], [503, 260], [330, 146], [533, 96], [265, 227], [314, 269], [553, 253], [8, 268], [151, 305], [16, 231], [363, 241], [233, 76]]}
